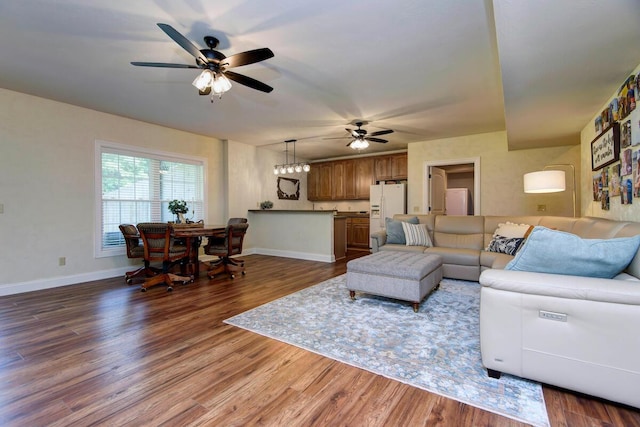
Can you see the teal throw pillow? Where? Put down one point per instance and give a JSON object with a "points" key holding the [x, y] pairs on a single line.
{"points": [[395, 232], [551, 251]]}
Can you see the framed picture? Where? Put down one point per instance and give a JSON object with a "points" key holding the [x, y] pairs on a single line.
{"points": [[605, 148], [288, 188]]}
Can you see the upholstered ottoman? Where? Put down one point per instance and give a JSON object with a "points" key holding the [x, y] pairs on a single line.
{"points": [[406, 276]]}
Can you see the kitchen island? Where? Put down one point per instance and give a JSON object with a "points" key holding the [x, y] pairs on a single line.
{"points": [[315, 235]]}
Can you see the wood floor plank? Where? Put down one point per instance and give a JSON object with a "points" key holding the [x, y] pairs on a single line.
{"points": [[104, 353]]}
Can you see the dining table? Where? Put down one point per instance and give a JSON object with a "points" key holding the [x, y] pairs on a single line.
{"points": [[192, 235]]}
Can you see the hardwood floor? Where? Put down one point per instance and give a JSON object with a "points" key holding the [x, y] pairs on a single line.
{"points": [[103, 353]]}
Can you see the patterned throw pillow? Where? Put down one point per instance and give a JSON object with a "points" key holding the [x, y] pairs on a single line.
{"points": [[505, 245], [416, 234]]}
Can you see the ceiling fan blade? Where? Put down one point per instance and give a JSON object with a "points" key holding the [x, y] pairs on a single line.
{"points": [[248, 57], [381, 132], [352, 132], [162, 64], [340, 137], [248, 81], [183, 42], [377, 140], [206, 91]]}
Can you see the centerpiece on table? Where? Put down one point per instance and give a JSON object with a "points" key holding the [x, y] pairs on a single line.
{"points": [[178, 208]]}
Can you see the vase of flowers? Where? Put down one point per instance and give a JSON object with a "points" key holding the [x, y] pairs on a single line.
{"points": [[267, 204], [178, 208]]}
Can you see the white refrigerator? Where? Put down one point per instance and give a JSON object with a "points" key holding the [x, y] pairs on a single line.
{"points": [[385, 201], [458, 201]]}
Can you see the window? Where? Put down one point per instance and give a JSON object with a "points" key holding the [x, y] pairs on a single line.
{"points": [[136, 185]]}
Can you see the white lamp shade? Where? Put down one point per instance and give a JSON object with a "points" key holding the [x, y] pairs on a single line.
{"points": [[220, 84], [550, 181], [203, 80]]}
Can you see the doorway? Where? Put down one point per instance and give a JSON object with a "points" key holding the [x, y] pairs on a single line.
{"points": [[458, 174]]}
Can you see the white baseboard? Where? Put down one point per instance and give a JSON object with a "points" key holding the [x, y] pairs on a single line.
{"points": [[297, 255], [56, 282]]}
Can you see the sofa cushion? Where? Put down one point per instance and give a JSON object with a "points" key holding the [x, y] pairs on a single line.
{"points": [[416, 234], [395, 232], [551, 251]]}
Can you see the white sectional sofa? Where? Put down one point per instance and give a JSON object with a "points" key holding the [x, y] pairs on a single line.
{"points": [[575, 332]]}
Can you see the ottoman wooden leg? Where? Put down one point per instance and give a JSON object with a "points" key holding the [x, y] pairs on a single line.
{"points": [[352, 294], [416, 306]]}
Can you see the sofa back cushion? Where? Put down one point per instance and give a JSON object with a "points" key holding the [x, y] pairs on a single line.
{"points": [[462, 232], [428, 220]]}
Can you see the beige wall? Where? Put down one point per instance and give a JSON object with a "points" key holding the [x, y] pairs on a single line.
{"points": [[47, 186], [617, 210], [502, 172], [250, 180]]}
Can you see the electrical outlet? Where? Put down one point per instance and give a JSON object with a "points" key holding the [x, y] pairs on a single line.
{"points": [[416, 209], [542, 208], [62, 261]]}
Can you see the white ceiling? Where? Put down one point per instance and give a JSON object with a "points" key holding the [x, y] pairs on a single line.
{"points": [[427, 69]]}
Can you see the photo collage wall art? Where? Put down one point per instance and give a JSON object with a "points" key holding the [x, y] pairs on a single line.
{"points": [[620, 180]]}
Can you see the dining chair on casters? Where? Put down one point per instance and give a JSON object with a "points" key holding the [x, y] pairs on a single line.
{"points": [[134, 250], [224, 247], [159, 246]]}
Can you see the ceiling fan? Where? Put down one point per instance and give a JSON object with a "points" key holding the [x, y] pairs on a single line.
{"points": [[361, 138], [215, 75]]}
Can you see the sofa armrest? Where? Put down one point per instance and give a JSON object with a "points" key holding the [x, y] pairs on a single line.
{"points": [[378, 239], [563, 286]]}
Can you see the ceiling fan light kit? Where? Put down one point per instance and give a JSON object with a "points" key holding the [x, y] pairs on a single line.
{"points": [[361, 139], [287, 167], [359, 144], [214, 78]]}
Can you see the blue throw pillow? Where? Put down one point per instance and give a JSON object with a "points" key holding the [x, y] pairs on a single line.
{"points": [[395, 232], [551, 251]]}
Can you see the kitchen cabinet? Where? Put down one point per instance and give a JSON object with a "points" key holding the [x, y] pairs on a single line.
{"points": [[339, 237], [391, 167], [338, 189], [363, 177], [399, 166], [320, 181], [358, 233], [351, 179]]}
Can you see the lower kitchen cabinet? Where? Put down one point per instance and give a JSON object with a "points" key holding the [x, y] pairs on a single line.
{"points": [[358, 233]]}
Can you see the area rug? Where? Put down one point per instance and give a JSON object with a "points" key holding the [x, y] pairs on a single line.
{"points": [[436, 349]]}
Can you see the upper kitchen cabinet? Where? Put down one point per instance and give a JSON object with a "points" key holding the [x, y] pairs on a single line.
{"points": [[320, 181], [363, 177], [390, 167], [351, 179]]}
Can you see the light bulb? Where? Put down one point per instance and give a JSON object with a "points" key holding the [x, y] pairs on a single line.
{"points": [[275, 170], [306, 167], [283, 170], [289, 168], [298, 167]]}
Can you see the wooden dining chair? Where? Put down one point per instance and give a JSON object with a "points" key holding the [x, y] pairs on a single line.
{"points": [[135, 250], [224, 247], [159, 246]]}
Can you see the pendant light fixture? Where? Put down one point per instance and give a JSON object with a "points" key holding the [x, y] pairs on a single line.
{"points": [[287, 167]]}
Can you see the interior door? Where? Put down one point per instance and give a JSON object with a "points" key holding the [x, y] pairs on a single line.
{"points": [[437, 190]]}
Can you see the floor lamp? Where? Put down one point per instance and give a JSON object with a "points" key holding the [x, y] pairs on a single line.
{"points": [[551, 181]]}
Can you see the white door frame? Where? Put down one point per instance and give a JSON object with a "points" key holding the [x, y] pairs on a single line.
{"points": [[476, 179]]}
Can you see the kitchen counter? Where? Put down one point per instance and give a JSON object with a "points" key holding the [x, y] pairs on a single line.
{"points": [[296, 233]]}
